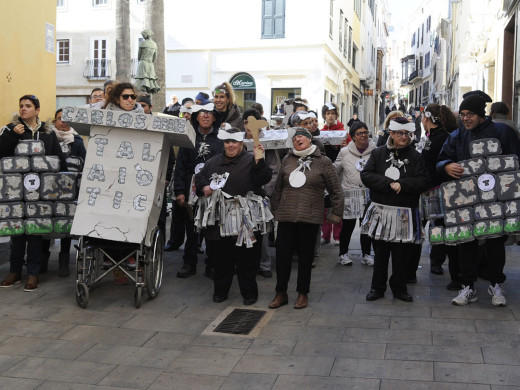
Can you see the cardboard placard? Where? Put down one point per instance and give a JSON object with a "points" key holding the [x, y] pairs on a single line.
{"points": [[276, 139], [82, 119], [254, 125], [122, 184]]}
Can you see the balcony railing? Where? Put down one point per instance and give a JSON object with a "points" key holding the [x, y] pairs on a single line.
{"points": [[97, 70], [416, 74]]}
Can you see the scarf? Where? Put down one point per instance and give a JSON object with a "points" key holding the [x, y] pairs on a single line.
{"points": [[306, 152], [66, 137]]}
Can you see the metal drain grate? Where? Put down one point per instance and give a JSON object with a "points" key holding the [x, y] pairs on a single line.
{"points": [[240, 321]]}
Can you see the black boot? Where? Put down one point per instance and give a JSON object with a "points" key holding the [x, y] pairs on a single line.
{"points": [[64, 264], [186, 271]]}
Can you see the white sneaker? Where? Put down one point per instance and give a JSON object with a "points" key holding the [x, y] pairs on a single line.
{"points": [[344, 260], [335, 242], [466, 295], [368, 260], [497, 295], [323, 241]]}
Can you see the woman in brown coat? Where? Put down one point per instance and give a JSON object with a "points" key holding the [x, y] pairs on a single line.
{"points": [[297, 204]]}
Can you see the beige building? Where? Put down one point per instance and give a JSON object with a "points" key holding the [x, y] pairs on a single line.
{"points": [[28, 65]]}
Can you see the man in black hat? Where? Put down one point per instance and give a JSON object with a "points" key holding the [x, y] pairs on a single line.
{"points": [[475, 125], [480, 93]]}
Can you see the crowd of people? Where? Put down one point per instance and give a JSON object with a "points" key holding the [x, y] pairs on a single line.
{"points": [[316, 192]]}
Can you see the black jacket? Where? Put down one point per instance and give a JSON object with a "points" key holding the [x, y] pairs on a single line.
{"points": [[244, 173], [189, 158], [414, 177], [456, 146], [174, 109], [430, 154], [9, 139], [233, 116]]}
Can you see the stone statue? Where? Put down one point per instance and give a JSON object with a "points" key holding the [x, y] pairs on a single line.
{"points": [[145, 78]]}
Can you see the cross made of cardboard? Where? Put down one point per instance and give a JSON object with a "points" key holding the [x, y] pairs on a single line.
{"points": [[122, 186]]}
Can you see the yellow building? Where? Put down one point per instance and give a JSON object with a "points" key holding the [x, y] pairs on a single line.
{"points": [[28, 48]]}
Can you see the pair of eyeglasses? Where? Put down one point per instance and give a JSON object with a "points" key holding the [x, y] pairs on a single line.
{"points": [[468, 115], [206, 113], [126, 97], [362, 133], [401, 133]]}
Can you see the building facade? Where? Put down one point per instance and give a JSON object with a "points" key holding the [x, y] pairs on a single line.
{"points": [[269, 50], [28, 66], [420, 65], [283, 48], [86, 45], [468, 45]]}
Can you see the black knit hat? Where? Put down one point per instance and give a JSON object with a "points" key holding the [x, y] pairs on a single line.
{"points": [[474, 103], [482, 94]]}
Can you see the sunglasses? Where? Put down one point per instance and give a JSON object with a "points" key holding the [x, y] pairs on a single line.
{"points": [[126, 97]]}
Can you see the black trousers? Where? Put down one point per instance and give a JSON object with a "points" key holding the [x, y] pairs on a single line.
{"points": [[230, 258], [299, 236], [469, 261], [346, 234], [438, 255], [177, 226], [400, 253], [191, 244], [64, 248]]}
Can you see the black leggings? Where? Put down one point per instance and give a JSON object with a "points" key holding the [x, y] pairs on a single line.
{"points": [[345, 235]]}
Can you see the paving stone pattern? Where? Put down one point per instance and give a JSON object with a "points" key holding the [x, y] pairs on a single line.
{"points": [[339, 342]]}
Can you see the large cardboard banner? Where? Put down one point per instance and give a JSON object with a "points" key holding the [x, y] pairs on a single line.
{"points": [[122, 186]]}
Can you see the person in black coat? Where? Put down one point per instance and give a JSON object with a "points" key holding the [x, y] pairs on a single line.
{"points": [[189, 162], [27, 126], [438, 122], [476, 125], [245, 173], [396, 176]]}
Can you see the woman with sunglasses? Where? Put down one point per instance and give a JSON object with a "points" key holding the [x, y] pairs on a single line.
{"points": [[122, 96], [396, 176], [26, 126]]}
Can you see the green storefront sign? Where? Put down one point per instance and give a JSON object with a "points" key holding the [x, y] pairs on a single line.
{"points": [[243, 81]]}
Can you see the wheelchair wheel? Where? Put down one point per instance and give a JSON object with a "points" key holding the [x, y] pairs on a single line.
{"points": [[154, 264], [91, 269], [138, 296], [82, 294]]}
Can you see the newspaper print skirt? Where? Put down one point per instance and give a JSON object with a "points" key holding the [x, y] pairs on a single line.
{"points": [[393, 224]]}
